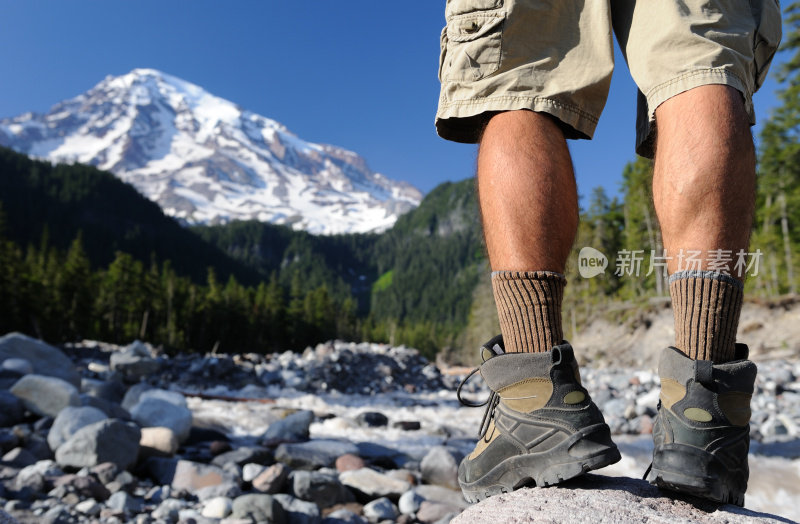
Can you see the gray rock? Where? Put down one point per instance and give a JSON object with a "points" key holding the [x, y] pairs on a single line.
{"points": [[383, 455], [272, 479], [431, 512], [38, 447], [69, 420], [380, 509], [84, 486], [133, 395], [372, 419], [373, 484], [259, 508], [313, 454], [293, 428], [244, 455], [322, 489], [441, 494], [108, 390], [46, 359], [122, 501], [440, 467], [169, 510], [58, 514], [298, 511], [111, 409], [228, 488], [157, 412], [11, 409], [173, 397], [45, 395], [185, 474], [343, 516], [157, 442], [134, 361], [109, 440], [217, 508], [88, 507], [409, 502], [20, 366], [18, 458], [594, 498], [251, 471]]}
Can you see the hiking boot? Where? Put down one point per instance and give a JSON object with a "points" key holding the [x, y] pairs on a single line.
{"points": [[540, 425], [702, 431]]}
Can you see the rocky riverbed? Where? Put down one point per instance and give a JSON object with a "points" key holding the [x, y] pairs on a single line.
{"points": [[338, 433]]}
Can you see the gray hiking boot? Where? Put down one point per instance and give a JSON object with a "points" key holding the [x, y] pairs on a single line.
{"points": [[702, 431], [540, 425]]}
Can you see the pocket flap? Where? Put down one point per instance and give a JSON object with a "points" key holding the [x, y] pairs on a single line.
{"points": [[460, 7], [469, 27]]}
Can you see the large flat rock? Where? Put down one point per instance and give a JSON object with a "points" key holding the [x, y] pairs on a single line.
{"points": [[594, 498]]}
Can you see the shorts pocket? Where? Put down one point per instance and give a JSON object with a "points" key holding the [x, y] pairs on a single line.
{"points": [[767, 14], [460, 7], [471, 46]]}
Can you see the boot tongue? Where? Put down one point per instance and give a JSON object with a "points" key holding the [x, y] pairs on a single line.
{"points": [[492, 348]]}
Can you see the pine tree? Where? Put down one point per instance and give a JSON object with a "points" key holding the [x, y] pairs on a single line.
{"points": [[777, 224]]}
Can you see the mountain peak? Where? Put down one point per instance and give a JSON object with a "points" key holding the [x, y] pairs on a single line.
{"points": [[205, 159]]}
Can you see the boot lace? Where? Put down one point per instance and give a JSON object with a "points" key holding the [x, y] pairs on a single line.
{"points": [[490, 403]]}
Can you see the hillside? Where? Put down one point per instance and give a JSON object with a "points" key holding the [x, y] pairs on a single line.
{"points": [[46, 204]]}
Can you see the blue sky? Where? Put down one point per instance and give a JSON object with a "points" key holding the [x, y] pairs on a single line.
{"points": [[356, 74]]}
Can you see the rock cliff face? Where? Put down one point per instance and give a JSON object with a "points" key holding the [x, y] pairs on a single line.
{"points": [[595, 498]]}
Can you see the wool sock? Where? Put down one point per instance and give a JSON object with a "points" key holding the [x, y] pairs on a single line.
{"points": [[529, 308], [706, 305]]}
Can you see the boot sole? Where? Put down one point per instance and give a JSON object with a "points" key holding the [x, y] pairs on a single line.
{"points": [[545, 468], [696, 472]]}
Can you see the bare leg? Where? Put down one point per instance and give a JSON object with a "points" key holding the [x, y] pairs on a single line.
{"points": [[703, 189], [529, 206], [527, 192]]}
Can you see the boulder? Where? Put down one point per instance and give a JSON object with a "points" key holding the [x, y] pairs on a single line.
{"points": [[134, 393], [440, 467], [293, 428], [595, 498], [272, 479], [109, 440], [244, 455], [45, 395], [258, 508], [313, 454], [153, 411], [322, 489], [298, 511], [69, 420], [372, 419], [11, 409], [45, 359], [157, 442], [185, 474], [20, 366], [373, 484], [134, 361], [380, 509], [18, 458], [409, 502], [217, 508]]}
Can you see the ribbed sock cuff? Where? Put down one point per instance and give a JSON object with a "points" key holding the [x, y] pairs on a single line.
{"points": [[706, 306], [529, 308]]}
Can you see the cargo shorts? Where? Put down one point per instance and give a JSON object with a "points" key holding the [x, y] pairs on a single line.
{"points": [[557, 56]]}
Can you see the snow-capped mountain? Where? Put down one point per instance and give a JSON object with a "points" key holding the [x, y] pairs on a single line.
{"points": [[204, 159]]}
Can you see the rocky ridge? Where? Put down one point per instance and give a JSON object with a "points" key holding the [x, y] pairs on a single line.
{"points": [[341, 432]]}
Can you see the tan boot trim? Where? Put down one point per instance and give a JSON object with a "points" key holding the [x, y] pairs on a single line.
{"points": [[483, 443], [672, 391], [735, 405], [527, 395]]}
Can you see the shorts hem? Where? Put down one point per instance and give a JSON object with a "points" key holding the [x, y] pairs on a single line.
{"points": [[463, 120], [659, 94]]}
